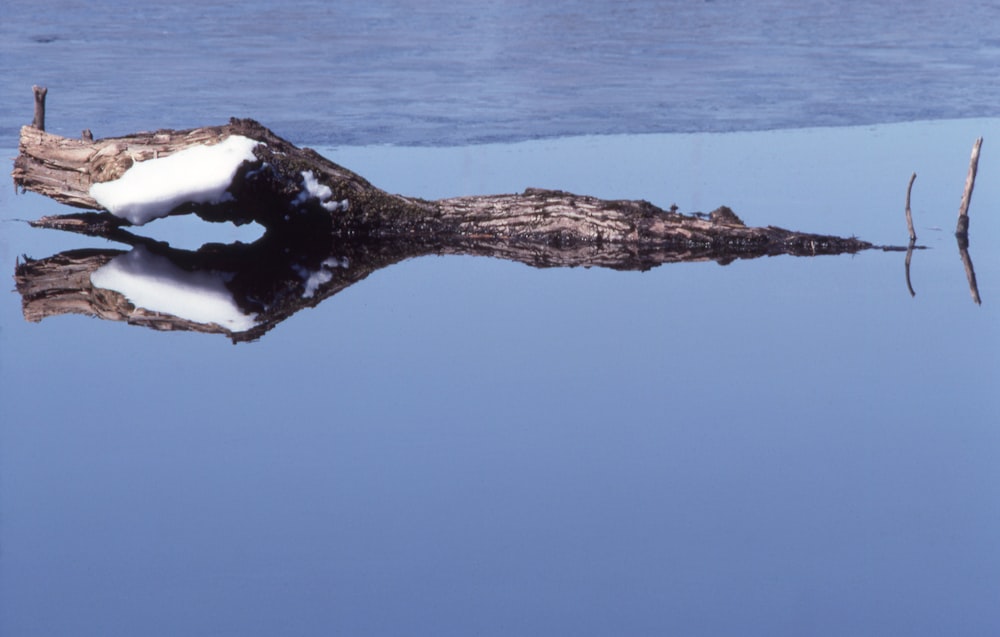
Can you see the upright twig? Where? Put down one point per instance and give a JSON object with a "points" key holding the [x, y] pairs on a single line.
{"points": [[962, 229], [909, 215], [39, 119]]}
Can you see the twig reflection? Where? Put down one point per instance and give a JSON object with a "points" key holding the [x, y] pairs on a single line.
{"points": [[909, 256], [970, 272]]}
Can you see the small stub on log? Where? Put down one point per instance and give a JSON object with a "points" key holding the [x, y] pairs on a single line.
{"points": [[39, 119]]}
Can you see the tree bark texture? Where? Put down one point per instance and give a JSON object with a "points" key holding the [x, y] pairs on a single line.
{"points": [[264, 191]]}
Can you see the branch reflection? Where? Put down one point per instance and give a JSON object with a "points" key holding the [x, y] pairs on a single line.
{"points": [[245, 290], [963, 253], [909, 258], [970, 272]]}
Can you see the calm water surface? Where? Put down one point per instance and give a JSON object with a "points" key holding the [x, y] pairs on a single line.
{"points": [[466, 445], [458, 445]]}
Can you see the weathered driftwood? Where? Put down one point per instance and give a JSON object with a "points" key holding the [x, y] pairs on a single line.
{"points": [[909, 212], [267, 190], [962, 227]]}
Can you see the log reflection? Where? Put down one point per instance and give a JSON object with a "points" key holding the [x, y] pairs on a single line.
{"points": [[244, 290], [909, 258], [239, 290]]}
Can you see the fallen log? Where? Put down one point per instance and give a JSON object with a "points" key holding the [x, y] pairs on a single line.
{"points": [[243, 172]]}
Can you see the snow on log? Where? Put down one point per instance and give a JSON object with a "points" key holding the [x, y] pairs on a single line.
{"points": [[155, 283], [240, 291], [198, 175]]}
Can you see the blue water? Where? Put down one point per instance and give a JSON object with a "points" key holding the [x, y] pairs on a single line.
{"points": [[459, 445], [462, 445], [466, 71]]}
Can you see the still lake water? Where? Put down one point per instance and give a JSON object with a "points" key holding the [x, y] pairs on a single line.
{"points": [[461, 445]]}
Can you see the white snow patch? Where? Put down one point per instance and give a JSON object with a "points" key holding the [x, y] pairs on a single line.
{"points": [[154, 283], [152, 188], [312, 189], [337, 262], [314, 279]]}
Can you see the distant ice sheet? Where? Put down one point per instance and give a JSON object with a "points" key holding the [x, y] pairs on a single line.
{"points": [[151, 189], [154, 283]]}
